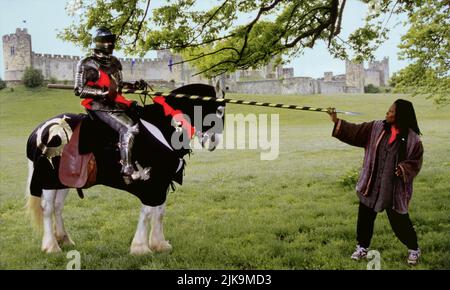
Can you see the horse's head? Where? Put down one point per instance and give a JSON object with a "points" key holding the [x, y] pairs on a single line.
{"points": [[190, 116], [206, 115]]}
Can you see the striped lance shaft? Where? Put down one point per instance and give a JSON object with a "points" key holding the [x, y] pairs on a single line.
{"points": [[219, 100]]}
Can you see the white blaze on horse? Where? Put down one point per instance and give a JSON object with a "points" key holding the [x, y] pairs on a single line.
{"points": [[77, 151]]}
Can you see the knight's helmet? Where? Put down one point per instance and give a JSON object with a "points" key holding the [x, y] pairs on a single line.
{"points": [[104, 41]]}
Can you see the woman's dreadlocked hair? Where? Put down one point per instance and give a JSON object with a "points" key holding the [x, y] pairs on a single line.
{"points": [[405, 117]]}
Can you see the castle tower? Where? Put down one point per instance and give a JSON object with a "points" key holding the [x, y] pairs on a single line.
{"points": [[16, 54], [328, 76], [385, 65], [354, 76], [383, 68]]}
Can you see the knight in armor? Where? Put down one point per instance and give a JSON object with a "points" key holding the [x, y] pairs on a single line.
{"points": [[99, 82]]}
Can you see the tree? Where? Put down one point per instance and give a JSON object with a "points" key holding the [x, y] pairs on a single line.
{"points": [[237, 34], [215, 40], [427, 44], [371, 89], [2, 84], [32, 77]]}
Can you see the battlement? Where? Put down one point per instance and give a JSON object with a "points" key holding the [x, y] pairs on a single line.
{"points": [[142, 60], [21, 31], [126, 60], [55, 56], [15, 36]]}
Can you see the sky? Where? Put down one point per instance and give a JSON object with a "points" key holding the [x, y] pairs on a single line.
{"points": [[44, 18]]}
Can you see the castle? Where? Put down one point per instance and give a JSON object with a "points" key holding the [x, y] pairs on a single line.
{"points": [[270, 79]]}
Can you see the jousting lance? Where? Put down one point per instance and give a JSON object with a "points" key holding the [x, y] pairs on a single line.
{"points": [[219, 100]]}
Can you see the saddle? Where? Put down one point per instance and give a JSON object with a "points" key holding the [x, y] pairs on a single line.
{"points": [[77, 170]]}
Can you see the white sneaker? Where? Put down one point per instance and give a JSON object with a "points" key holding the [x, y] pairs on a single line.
{"points": [[413, 257], [360, 253]]}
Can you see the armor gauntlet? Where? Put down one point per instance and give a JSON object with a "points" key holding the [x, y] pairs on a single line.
{"points": [[87, 72]]}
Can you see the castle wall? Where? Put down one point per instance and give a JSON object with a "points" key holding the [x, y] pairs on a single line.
{"points": [[61, 67], [331, 87], [299, 85], [149, 69], [372, 77], [290, 86]]}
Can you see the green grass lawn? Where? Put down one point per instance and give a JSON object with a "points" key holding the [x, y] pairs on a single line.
{"points": [[235, 211]]}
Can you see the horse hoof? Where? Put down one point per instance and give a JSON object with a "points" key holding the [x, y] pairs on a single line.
{"points": [[163, 246], [65, 241], [140, 249], [49, 248]]}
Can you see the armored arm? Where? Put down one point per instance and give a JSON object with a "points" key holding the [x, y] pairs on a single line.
{"points": [[87, 71], [120, 83], [116, 74]]}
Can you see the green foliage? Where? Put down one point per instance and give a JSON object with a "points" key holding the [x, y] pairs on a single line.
{"points": [[349, 179], [416, 80], [32, 77], [52, 80], [427, 45], [371, 89], [2, 84]]}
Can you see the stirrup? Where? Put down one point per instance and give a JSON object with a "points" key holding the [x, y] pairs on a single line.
{"points": [[140, 174]]}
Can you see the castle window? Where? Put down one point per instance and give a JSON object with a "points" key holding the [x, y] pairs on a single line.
{"points": [[12, 50]]}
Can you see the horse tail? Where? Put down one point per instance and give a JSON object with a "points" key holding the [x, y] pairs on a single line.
{"points": [[33, 203]]}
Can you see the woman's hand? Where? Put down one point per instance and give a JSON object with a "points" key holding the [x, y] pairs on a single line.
{"points": [[398, 171], [332, 113]]}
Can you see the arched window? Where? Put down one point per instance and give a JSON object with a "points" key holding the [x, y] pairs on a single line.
{"points": [[12, 50]]}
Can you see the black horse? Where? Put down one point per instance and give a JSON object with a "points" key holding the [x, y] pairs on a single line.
{"points": [[163, 140]]}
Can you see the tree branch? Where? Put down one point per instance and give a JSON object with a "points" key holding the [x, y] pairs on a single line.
{"points": [[209, 20], [206, 54], [213, 66], [251, 24], [140, 24], [127, 20]]}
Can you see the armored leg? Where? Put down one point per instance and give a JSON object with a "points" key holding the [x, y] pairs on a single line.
{"points": [[126, 144], [127, 130]]}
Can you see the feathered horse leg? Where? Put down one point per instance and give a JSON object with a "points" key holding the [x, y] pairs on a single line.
{"points": [[61, 235], [139, 245], [157, 241], [49, 242]]}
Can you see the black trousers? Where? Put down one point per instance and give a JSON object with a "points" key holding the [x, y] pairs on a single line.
{"points": [[401, 225]]}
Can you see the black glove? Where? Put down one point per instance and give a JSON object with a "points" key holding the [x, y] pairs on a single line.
{"points": [[140, 85], [135, 109]]}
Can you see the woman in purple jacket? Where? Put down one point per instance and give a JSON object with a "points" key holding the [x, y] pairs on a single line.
{"points": [[392, 158]]}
